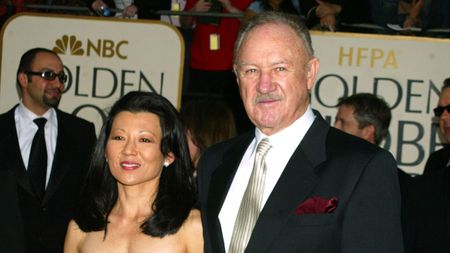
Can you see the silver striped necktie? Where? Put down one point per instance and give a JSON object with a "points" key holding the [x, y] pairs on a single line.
{"points": [[251, 201]]}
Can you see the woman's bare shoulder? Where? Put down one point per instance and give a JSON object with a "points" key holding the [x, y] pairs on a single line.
{"points": [[193, 232], [74, 237]]}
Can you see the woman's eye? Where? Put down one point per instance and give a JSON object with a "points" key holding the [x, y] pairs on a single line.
{"points": [[117, 138], [146, 140]]}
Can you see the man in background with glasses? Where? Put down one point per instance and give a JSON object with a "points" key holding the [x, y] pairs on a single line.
{"points": [[428, 203], [44, 156], [441, 159]]}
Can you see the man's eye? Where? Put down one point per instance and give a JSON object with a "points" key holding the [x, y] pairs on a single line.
{"points": [[250, 71], [278, 69]]}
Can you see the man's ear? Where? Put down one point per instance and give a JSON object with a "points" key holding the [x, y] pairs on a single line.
{"points": [[23, 79], [311, 72], [369, 133]]}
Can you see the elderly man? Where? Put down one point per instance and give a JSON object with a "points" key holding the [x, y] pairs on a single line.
{"points": [[294, 184]]}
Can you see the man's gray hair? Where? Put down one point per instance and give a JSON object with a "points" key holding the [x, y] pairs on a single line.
{"points": [[273, 17]]}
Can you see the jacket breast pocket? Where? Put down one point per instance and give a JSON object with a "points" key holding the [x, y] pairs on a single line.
{"points": [[311, 219]]}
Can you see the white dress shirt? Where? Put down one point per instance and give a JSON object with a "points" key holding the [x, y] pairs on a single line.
{"points": [[26, 129], [284, 143]]}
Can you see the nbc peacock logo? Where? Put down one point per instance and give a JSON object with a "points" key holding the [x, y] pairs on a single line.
{"points": [[68, 45], [105, 48]]}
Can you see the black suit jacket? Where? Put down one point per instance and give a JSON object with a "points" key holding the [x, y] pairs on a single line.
{"points": [[438, 160], [327, 163], [44, 223], [428, 214]]}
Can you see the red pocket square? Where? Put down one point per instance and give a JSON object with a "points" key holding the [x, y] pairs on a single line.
{"points": [[317, 205]]}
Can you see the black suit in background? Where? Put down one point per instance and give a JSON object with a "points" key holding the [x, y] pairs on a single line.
{"points": [[44, 224], [438, 160], [428, 214], [327, 163]]}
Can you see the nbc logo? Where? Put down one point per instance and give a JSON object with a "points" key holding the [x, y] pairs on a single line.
{"points": [[68, 44], [104, 48]]}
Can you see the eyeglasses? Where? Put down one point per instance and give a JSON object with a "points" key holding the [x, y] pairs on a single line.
{"points": [[440, 109], [49, 75]]}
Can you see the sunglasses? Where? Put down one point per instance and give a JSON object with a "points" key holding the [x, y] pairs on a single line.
{"points": [[440, 109], [49, 75]]}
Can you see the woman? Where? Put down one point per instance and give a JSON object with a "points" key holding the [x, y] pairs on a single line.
{"points": [[140, 191]]}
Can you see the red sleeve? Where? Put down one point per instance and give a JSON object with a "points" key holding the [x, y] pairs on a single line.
{"points": [[241, 4], [189, 4]]}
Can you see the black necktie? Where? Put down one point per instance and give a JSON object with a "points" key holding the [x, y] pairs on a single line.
{"points": [[37, 165]]}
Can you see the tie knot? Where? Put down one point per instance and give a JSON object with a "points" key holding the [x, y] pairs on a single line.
{"points": [[40, 122], [263, 147]]}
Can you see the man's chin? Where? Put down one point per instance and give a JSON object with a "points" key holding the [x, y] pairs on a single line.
{"points": [[52, 102]]}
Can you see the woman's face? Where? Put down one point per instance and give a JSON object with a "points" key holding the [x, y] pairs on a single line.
{"points": [[133, 148]]}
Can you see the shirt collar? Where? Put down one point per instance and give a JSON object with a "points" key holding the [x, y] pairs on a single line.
{"points": [[294, 133], [29, 116]]}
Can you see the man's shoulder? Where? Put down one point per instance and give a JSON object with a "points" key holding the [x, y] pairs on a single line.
{"points": [[231, 144], [340, 141], [8, 113], [228, 149], [7, 117], [72, 119], [437, 160], [443, 152]]}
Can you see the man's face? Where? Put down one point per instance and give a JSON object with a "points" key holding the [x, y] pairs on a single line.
{"points": [[444, 119], [346, 121], [274, 75], [39, 94]]}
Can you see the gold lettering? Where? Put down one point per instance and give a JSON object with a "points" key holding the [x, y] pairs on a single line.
{"points": [[343, 55], [391, 60], [90, 45], [118, 52], [362, 54], [375, 55]]}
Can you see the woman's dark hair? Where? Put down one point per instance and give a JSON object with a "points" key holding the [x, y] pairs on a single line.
{"points": [[208, 122], [176, 193]]}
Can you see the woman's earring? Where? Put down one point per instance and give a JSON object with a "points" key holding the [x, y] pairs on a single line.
{"points": [[166, 164]]}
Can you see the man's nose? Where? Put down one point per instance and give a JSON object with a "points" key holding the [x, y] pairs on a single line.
{"points": [[266, 82]]}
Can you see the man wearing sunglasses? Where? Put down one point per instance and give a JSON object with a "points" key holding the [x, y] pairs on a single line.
{"points": [[441, 159], [44, 155], [428, 218]]}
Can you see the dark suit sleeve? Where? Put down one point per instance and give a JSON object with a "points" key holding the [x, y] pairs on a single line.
{"points": [[372, 221], [204, 171], [12, 235]]}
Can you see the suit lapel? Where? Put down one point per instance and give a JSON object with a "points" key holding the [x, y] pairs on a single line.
{"points": [[295, 184], [59, 166], [220, 183], [12, 152]]}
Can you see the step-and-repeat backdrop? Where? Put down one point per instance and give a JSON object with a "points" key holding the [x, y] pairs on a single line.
{"points": [[105, 58], [406, 71]]}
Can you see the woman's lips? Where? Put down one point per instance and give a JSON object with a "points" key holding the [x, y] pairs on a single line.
{"points": [[129, 165]]}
